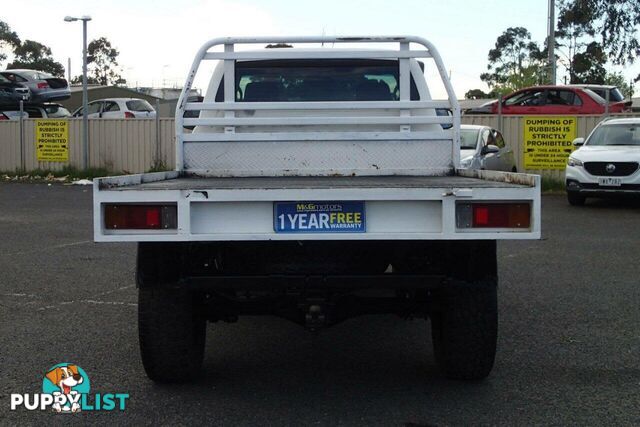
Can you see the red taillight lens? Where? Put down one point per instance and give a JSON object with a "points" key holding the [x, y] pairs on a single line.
{"points": [[493, 215], [3, 117], [43, 85], [140, 217], [129, 115]]}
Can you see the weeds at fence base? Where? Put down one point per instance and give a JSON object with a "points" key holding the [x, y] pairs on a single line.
{"points": [[159, 166], [66, 174], [550, 185]]}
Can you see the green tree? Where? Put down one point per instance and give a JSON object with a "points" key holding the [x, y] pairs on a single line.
{"points": [[479, 94], [8, 40], [572, 34], [589, 65], [614, 22], [77, 80], [515, 62], [617, 79], [36, 56], [102, 61]]}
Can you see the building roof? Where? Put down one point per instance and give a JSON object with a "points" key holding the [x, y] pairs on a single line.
{"points": [[78, 89]]}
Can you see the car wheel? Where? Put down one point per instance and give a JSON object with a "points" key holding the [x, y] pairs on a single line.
{"points": [[464, 329], [172, 334], [575, 199], [171, 325]]}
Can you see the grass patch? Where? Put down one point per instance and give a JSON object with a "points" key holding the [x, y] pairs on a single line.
{"points": [[550, 185]]}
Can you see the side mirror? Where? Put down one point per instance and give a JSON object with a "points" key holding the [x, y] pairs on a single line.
{"points": [[490, 149], [578, 142]]}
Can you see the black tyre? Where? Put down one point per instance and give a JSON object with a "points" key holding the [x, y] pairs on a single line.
{"points": [[464, 328], [575, 199], [172, 334], [171, 326]]}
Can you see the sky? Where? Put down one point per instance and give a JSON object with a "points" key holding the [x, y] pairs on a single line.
{"points": [[158, 39]]}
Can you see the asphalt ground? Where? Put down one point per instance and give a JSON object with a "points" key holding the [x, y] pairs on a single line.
{"points": [[569, 337]]}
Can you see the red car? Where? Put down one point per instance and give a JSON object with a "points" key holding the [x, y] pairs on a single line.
{"points": [[558, 100]]}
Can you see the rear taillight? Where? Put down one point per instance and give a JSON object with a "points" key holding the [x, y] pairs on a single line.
{"points": [[3, 117], [140, 217], [493, 215], [129, 115], [43, 85]]}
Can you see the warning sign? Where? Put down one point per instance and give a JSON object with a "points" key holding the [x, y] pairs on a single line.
{"points": [[52, 140], [548, 141]]}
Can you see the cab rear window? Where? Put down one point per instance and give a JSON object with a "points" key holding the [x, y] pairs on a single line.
{"points": [[309, 80]]}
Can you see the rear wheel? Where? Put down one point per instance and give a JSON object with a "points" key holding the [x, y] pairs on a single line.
{"points": [[171, 328], [464, 312], [172, 335], [575, 199], [464, 329]]}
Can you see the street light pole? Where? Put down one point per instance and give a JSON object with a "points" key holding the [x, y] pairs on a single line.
{"points": [[85, 94], [85, 98], [551, 42]]}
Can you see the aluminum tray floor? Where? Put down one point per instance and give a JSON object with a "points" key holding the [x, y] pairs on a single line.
{"points": [[202, 183]]}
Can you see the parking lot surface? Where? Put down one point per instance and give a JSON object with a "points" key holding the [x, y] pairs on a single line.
{"points": [[569, 337]]}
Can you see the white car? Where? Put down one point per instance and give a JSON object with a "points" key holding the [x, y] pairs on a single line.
{"points": [[118, 108], [606, 164], [482, 147]]}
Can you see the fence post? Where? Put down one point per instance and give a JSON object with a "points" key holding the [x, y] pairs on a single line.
{"points": [[158, 138], [500, 113], [23, 162]]}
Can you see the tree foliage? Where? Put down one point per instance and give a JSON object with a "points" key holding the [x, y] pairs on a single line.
{"points": [[572, 34], [480, 94], [614, 23], [77, 80], [102, 61], [589, 65], [8, 40], [36, 56], [515, 62], [617, 79]]}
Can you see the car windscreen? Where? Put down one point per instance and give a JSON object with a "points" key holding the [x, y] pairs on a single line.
{"points": [[527, 97], [309, 80], [615, 95], [600, 100], [43, 76], [139, 105], [56, 111], [618, 134], [468, 139], [4, 79]]}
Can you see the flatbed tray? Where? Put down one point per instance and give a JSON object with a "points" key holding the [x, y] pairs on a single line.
{"points": [[323, 182]]}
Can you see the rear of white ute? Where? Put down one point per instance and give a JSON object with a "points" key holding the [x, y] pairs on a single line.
{"points": [[317, 185]]}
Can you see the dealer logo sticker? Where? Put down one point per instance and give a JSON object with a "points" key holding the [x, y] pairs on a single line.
{"points": [[65, 390]]}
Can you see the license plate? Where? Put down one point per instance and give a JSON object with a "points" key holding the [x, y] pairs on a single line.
{"points": [[319, 217], [610, 182]]}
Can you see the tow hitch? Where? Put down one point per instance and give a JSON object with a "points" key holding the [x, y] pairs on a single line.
{"points": [[315, 318]]}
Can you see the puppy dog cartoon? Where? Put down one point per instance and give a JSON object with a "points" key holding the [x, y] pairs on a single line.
{"points": [[66, 377]]}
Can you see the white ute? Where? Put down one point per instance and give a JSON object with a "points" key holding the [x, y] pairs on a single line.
{"points": [[317, 185]]}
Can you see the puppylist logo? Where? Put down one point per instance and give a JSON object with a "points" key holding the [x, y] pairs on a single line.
{"points": [[65, 389]]}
